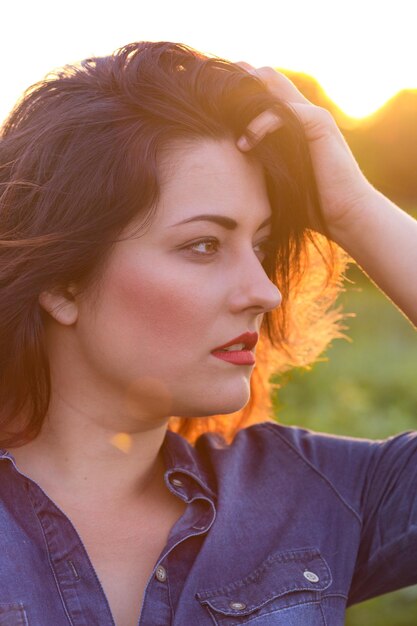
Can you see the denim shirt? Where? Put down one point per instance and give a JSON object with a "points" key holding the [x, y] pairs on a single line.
{"points": [[282, 527]]}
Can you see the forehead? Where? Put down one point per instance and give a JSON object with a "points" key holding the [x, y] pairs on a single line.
{"points": [[211, 176]]}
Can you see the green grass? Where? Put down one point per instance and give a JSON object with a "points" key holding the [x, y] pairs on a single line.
{"points": [[363, 388]]}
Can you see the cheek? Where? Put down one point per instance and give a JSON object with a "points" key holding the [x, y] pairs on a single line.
{"points": [[154, 308]]}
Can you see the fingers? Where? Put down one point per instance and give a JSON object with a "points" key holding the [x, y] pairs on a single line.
{"points": [[317, 121], [266, 122], [278, 84], [246, 66], [281, 86]]}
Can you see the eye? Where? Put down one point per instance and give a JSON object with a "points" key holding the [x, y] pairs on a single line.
{"points": [[267, 248], [210, 241], [211, 246]]}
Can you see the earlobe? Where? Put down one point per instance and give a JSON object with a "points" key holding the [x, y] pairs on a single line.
{"points": [[61, 306]]}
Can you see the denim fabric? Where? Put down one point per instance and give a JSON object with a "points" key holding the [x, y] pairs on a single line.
{"points": [[283, 527]]}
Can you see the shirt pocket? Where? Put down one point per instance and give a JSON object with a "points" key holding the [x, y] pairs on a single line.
{"points": [[13, 614], [286, 589]]}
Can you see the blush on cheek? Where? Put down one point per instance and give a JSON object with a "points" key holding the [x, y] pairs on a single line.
{"points": [[156, 305]]}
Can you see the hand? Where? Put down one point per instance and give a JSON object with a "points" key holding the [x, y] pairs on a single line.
{"points": [[343, 188]]}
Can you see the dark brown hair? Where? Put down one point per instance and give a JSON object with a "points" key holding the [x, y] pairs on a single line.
{"points": [[79, 159]]}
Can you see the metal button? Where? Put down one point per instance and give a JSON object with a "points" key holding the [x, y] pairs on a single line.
{"points": [[177, 482], [161, 573], [311, 576], [237, 606]]}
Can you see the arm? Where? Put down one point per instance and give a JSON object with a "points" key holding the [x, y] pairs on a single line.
{"points": [[383, 241], [373, 230]]}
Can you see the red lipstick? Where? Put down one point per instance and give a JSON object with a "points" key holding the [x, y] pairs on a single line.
{"points": [[238, 357]]}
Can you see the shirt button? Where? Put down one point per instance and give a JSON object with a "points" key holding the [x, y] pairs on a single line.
{"points": [[237, 606], [161, 573], [311, 576], [177, 482]]}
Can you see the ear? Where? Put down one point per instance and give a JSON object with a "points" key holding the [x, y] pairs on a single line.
{"points": [[61, 305]]}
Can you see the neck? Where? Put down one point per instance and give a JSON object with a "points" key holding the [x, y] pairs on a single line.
{"points": [[98, 467]]}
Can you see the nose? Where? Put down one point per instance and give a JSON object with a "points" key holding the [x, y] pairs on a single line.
{"points": [[253, 288]]}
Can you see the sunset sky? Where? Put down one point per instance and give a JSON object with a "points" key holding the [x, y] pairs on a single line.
{"points": [[362, 52]]}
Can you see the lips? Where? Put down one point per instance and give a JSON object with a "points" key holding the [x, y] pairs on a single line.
{"points": [[249, 339]]}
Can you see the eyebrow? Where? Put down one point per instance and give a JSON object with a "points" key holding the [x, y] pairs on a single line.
{"points": [[226, 222]]}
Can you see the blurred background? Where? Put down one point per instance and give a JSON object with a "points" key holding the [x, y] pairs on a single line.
{"points": [[366, 386], [358, 59]]}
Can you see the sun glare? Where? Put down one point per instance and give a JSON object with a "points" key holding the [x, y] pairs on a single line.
{"points": [[361, 53], [364, 87], [359, 103]]}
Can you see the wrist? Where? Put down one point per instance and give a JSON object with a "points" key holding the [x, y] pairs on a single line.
{"points": [[357, 218]]}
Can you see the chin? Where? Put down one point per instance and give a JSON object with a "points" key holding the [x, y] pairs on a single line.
{"points": [[230, 404]]}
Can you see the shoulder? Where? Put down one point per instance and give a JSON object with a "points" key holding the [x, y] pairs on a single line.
{"points": [[346, 466], [316, 450]]}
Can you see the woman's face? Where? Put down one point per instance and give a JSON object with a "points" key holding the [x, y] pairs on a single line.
{"points": [[172, 295]]}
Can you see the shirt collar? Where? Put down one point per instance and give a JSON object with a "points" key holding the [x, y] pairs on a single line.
{"points": [[180, 456], [4, 454]]}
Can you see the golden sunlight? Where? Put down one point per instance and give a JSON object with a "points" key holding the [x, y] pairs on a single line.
{"points": [[122, 441], [361, 53], [359, 103]]}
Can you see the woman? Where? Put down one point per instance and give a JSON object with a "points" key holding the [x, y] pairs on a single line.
{"points": [[157, 208]]}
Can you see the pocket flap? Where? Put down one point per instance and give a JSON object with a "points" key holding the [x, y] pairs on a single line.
{"points": [[12, 614], [281, 573]]}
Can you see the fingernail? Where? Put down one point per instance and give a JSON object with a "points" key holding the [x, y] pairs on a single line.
{"points": [[243, 143]]}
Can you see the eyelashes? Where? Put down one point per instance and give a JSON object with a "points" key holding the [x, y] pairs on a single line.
{"points": [[267, 247]]}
